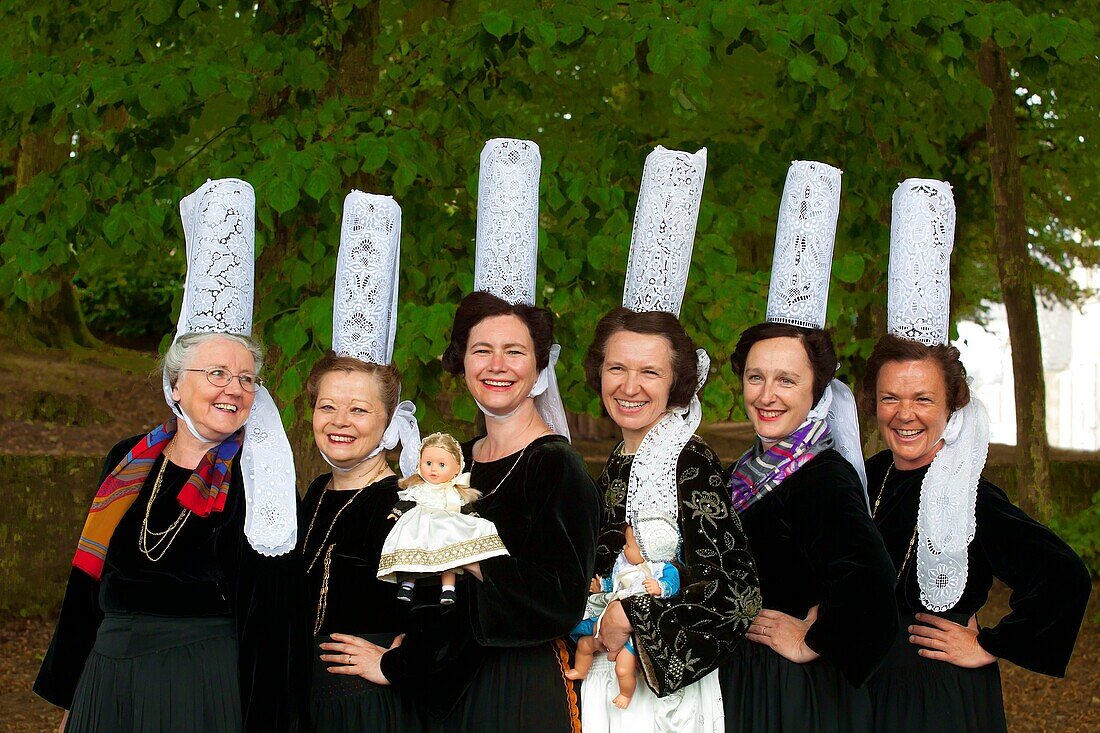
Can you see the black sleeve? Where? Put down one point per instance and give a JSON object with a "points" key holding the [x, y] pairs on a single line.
{"points": [[1050, 586], [78, 623], [681, 639], [538, 591], [269, 609], [857, 618]]}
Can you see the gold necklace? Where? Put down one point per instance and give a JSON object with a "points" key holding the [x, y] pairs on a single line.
{"points": [[912, 540], [165, 538], [322, 597], [339, 511], [501, 482]]}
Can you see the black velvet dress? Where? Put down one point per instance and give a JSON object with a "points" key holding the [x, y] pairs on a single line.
{"points": [[213, 622], [342, 534], [495, 661], [681, 639], [1050, 589], [815, 545]]}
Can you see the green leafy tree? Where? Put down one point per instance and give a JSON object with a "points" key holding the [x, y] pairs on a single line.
{"points": [[308, 99]]}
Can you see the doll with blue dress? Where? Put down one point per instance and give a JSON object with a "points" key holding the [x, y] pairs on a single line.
{"points": [[645, 565]]}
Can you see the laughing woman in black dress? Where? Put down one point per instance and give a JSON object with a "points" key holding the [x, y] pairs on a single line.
{"points": [[826, 579], [941, 673], [346, 515], [178, 623], [495, 660]]}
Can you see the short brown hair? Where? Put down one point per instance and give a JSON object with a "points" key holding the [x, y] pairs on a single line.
{"points": [[478, 306], [816, 341], [388, 378], [685, 369], [894, 348]]}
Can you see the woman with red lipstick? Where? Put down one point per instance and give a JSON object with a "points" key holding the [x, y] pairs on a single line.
{"points": [[644, 365], [828, 614], [942, 671]]}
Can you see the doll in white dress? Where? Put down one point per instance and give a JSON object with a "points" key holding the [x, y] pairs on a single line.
{"points": [[434, 537]]}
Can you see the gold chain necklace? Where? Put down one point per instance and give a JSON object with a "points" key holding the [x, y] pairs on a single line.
{"points": [[322, 597], [912, 540], [328, 532], [501, 482], [165, 538]]}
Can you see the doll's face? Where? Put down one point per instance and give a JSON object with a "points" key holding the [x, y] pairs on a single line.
{"points": [[437, 466], [631, 550]]}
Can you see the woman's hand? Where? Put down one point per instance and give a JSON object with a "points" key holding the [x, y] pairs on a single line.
{"points": [[947, 641], [614, 630], [63, 723], [357, 656], [785, 635]]}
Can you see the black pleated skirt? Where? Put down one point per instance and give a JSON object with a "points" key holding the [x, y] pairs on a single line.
{"points": [[764, 693], [518, 689], [912, 694], [340, 703], [152, 674]]}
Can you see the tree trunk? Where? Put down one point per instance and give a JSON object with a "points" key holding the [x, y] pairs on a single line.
{"points": [[58, 321], [1017, 290]]}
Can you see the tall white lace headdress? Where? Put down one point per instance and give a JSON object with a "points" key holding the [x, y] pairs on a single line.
{"points": [[799, 294], [922, 235], [219, 227], [364, 305], [507, 248], [656, 278]]}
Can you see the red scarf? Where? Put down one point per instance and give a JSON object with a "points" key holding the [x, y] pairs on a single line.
{"points": [[203, 493]]}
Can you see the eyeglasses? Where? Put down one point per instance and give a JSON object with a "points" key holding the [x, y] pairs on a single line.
{"points": [[222, 377]]}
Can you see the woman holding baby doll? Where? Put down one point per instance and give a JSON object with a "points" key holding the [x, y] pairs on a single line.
{"points": [[644, 366]]}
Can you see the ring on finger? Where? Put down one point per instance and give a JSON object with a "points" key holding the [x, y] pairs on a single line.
{"points": [[349, 659]]}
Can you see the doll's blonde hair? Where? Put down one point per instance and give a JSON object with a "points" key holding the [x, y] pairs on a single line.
{"points": [[443, 441]]}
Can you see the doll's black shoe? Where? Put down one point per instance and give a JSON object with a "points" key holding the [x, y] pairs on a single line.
{"points": [[405, 593], [447, 598]]}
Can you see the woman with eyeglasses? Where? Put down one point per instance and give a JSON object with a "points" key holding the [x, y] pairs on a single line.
{"points": [[171, 620]]}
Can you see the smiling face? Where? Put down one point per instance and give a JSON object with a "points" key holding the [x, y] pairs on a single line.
{"points": [[217, 412], [348, 417], [499, 364], [778, 385], [635, 381], [911, 409], [437, 466]]}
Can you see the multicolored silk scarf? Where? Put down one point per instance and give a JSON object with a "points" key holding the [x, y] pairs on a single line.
{"points": [[759, 471], [203, 493]]}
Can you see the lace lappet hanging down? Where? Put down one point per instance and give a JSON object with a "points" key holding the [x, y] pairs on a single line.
{"points": [[922, 235], [219, 227]]}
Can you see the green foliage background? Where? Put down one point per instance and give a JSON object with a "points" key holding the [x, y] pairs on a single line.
{"points": [[305, 100]]}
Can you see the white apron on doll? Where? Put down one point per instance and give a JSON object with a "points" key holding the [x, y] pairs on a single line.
{"points": [[434, 537]]}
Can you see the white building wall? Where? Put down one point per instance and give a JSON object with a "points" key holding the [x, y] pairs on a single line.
{"points": [[1071, 359]]}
